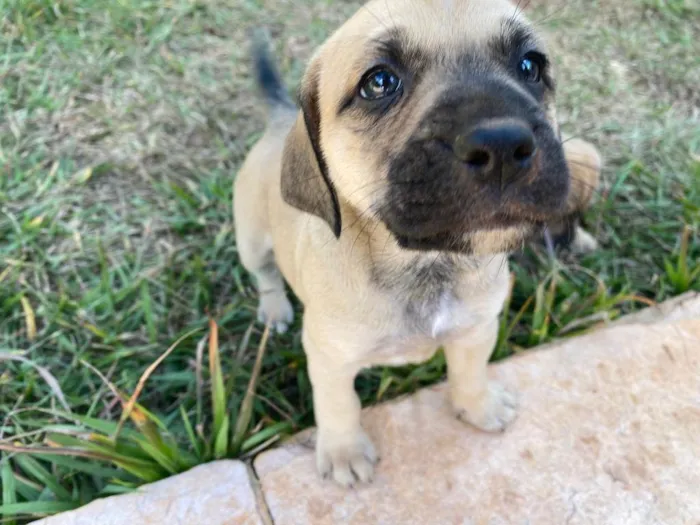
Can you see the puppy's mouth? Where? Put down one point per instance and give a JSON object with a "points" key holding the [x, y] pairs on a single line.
{"points": [[438, 242], [458, 239]]}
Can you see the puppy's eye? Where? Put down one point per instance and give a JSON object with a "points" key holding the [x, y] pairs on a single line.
{"points": [[379, 83], [530, 67]]}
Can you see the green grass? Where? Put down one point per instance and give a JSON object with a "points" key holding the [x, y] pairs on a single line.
{"points": [[121, 127]]}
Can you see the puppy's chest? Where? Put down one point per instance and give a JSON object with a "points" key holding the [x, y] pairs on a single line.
{"points": [[427, 298], [433, 315], [428, 303], [425, 312], [417, 331]]}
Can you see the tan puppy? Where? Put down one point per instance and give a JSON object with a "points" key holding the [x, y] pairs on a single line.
{"points": [[424, 150]]}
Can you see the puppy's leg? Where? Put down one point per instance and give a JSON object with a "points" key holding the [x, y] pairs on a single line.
{"points": [[256, 255], [343, 449], [583, 242], [568, 232], [585, 164], [484, 404], [274, 306]]}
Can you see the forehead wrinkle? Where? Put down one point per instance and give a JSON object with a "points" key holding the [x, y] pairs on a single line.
{"points": [[397, 46], [514, 35], [390, 43]]}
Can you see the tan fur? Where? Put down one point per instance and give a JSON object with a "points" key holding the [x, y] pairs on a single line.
{"points": [[585, 166], [350, 322]]}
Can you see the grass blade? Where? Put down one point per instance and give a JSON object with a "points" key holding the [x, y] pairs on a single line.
{"points": [[199, 381], [29, 318], [159, 456], [9, 487], [50, 380], [246, 411], [221, 439], [265, 434], [34, 469], [99, 425], [384, 384], [154, 443], [194, 442], [538, 315], [218, 396], [147, 308], [37, 508], [503, 333], [88, 467], [26, 489]]}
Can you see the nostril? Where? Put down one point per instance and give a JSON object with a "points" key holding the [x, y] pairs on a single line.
{"points": [[524, 152], [478, 158]]}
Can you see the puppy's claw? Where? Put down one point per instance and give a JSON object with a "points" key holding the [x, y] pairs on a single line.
{"points": [[363, 468], [346, 460], [344, 476], [493, 411]]}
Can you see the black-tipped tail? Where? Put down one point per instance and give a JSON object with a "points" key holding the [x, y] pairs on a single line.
{"points": [[267, 76]]}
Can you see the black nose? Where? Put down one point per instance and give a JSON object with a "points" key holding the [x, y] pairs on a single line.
{"points": [[498, 149]]}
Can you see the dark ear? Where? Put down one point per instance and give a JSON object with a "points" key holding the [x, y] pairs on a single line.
{"points": [[305, 181]]}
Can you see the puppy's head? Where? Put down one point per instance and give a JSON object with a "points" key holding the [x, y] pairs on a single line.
{"points": [[434, 117]]}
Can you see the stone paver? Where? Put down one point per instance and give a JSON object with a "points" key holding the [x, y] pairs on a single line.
{"points": [[681, 308], [218, 493], [608, 434]]}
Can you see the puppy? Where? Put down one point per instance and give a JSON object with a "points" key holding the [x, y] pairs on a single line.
{"points": [[423, 150]]}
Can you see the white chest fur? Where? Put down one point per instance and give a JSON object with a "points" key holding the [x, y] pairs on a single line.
{"points": [[447, 316], [415, 339], [412, 334]]}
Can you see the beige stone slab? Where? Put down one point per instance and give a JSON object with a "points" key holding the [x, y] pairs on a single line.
{"points": [[608, 434], [218, 493], [681, 308]]}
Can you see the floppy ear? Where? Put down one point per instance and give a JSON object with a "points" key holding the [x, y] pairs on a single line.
{"points": [[306, 184], [585, 165]]}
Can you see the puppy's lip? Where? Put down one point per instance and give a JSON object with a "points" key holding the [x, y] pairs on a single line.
{"points": [[458, 242], [443, 239], [496, 221], [439, 242]]}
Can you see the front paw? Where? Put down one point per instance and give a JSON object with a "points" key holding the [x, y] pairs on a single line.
{"points": [[491, 411], [583, 242], [346, 458], [275, 309]]}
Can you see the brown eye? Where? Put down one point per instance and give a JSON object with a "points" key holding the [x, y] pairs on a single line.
{"points": [[530, 68], [379, 83]]}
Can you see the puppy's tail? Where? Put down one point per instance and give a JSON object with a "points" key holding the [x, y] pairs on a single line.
{"points": [[267, 76]]}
